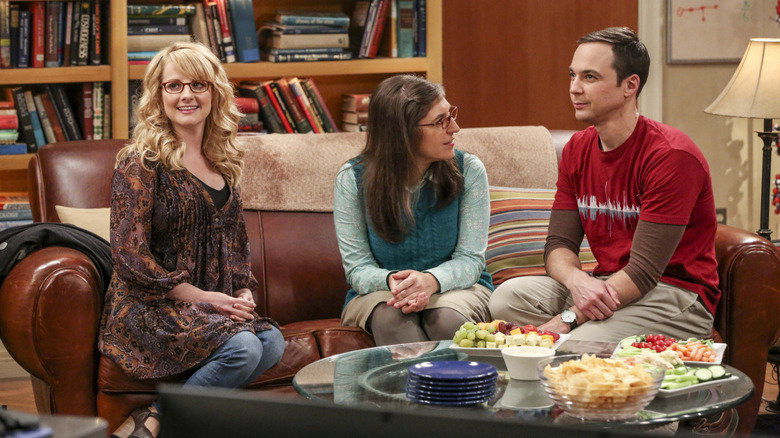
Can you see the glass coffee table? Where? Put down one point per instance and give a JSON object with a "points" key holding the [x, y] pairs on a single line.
{"points": [[377, 377]]}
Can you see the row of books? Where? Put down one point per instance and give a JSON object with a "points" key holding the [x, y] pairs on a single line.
{"points": [[289, 105], [51, 33], [296, 36], [14, 209], [45, 115], [354, 112], [390, 28], [226, 26]]}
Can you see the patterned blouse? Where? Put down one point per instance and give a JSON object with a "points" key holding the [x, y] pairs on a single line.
{"points": [[165, 230]]}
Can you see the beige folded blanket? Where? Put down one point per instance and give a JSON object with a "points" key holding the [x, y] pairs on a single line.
{"points": [[296, 172]]}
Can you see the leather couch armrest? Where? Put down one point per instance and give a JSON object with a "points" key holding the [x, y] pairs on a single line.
{"points": [[748, 316], [51, 303]]}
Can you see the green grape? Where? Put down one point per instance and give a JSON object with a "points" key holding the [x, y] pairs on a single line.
{"points": [[466, 343], [471, 336], [490, 338], [458, 337], [481, 344], [468, 325], [491, 328], [481, 334]]}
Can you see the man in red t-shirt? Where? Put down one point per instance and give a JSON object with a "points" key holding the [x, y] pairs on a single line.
{"points": [[641, 192]]}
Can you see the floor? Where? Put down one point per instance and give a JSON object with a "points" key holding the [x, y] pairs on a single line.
{"points": [[17, 394]]}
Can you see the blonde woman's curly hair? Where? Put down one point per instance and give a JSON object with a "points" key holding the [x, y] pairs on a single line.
{"points": [[154, 139]]}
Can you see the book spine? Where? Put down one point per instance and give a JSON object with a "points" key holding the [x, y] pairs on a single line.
{"points": [[422, 33], [319, 103], [67, 34], [14, 25], [271, 119], [49, 93], [68, 118], [297, 89], [97, 110], [242, 13], [9, 122], [24, 119], [15, 215], [96, 34], [405, 28], [299, 30], [52, 33], [106, 112], [158, 29], [275, 103], [5, 34], [217, 31], [291, 102], [379, 27], [75, 32], [40, 138], [227, 40], [21, 205], [84, 31], [212, 41], [4, 225], [369, 28], [140, 56], [302, 41], [166, 10], [306, 57], [48, 132], [12, 149], [285, 18], [157, 21], [85, 110], [25, 28], [53, 115], [38, 22]]}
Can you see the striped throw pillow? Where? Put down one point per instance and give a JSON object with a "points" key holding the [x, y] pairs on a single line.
{"points": [[518, 228]]}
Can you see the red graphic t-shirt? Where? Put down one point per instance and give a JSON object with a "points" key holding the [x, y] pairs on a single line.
{"points": [[658, 175]]}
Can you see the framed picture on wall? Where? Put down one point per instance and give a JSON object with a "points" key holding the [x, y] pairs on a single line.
{"points": [[710, 31]]}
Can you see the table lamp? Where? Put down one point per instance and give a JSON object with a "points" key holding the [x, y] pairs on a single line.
{"points": [[754, 92]]}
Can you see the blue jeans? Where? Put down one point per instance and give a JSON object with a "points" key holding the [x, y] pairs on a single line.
{"points": [[240, 360]]}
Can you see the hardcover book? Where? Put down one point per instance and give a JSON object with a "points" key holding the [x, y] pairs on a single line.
{"points": [[52, 34], [227, 39], [38, 33], [312, 17], [270, 118], [158, 29], [269, 56], [300, 41], [355, 102], [153, 43], [25, 33], [48, 132], [308, 110], [54, 117], [66, 113], [406, 29], [319, 104], [5, 34], [243, 21], [301, 122], [161, 10], [35, 120], [284, 116], [14, 25]]}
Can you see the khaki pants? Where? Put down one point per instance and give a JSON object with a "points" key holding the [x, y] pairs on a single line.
{"points": [[666, 309]]}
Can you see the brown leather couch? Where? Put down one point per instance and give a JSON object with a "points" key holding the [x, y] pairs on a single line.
{"points": [[50, 303]]}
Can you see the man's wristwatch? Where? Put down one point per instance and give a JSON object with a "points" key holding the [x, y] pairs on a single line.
{"points": [[570, 318]]}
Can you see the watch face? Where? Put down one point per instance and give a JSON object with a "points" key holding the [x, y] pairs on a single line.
{"points": [[568, 316]]}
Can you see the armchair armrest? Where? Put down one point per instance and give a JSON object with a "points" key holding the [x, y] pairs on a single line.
{"points": [[51, 303], [748, 316]]}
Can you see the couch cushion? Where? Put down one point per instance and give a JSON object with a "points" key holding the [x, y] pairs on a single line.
{"points": [[97, 220], [518, 228]]}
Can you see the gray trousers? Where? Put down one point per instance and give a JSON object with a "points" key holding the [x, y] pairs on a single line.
{"points": [[666, 309]]}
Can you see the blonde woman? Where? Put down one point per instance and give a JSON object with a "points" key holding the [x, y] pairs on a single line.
{"points": [[180, 301]]}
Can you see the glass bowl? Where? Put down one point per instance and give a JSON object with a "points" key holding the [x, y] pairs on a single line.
{"points": [[597, 387]]}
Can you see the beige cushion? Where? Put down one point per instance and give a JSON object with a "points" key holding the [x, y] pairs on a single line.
{"points": [[297, 172], [96, 220]]}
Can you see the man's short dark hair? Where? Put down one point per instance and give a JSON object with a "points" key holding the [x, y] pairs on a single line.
{"points": [[630, 54]]}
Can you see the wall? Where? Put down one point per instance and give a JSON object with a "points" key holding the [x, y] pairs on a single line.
{"points": [[506, 63], [732, 148]]}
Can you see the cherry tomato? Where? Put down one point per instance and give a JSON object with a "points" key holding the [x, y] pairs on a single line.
{"points": [[649, 338], [660, 337]]}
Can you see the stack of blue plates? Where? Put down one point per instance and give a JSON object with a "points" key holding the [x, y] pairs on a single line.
{"points": [[451, 383]]}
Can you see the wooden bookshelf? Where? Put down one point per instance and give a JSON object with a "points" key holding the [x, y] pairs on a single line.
{"points": [[333, 78]]}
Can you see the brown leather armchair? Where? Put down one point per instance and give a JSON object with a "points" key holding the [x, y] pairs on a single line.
{"points": [[50, 302]]}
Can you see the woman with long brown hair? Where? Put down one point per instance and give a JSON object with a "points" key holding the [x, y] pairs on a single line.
{"points": [[412, 215]]}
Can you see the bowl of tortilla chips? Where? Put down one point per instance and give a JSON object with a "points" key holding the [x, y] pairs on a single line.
{"points": [[598, 387]]}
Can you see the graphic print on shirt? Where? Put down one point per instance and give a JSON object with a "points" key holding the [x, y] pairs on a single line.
{"points": [[613, 211]]}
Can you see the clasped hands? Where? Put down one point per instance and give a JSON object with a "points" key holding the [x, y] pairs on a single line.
{"points": [[596, 299], [411, 290]]}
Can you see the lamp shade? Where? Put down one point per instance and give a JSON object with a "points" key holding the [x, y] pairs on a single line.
{"points": [[754, 90]]}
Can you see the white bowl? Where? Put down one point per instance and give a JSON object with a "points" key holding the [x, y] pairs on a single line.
{"points": [[521, 362]]}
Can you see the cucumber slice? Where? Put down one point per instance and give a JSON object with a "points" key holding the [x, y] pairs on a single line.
{"points": [[703, 374], [727, 375], [626, 342], [718, 372]]}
